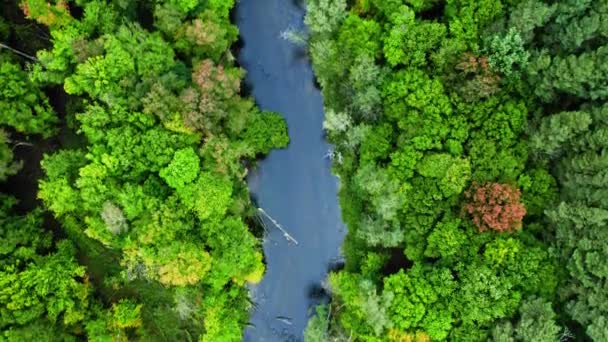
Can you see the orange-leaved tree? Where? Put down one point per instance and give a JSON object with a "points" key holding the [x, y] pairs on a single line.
{"points": [[495, 206]]}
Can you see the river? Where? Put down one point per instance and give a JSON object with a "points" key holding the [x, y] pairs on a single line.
{"points": [[295, 185]]}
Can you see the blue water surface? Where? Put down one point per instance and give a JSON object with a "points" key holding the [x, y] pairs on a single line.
{"points": [[295, 185]]}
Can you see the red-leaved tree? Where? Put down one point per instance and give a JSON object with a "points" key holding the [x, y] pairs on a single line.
{"points": [[495, 206]]}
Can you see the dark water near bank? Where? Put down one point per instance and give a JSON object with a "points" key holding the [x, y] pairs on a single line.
{"points": [[294, 186]]}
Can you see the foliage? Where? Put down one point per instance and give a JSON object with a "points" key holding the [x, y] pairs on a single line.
{"points": [[8, 166], [579, 220], [582, 75], [182, 170], [151, 198], [480, 81], [410, 41], [23, 106], [324, 16], [477, 95], [318, 325], [495, 206], [55, 13], [207, 35], [566, 74], [336, 123], [41, 281], [468, 18], [507, 54], [528, 15], [424, 99], [576, 25], [559, 129], [266, 131], [537, 321]]}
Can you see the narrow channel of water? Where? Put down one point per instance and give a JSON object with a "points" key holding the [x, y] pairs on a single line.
{"points": [[294, 186]]}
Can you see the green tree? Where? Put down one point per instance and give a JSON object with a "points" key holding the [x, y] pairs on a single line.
{"points": [[411, 41], [182, 170], [579, 219], [41, 281], [455, 85], [506, 54], [22, 104], [318, 325], [365, 78], [576, 25], [537, 322], [209, 36], [557, 130], [582, 75], [265, 131], [469, 18], [527, 15], [54, 13], [159, 181], [359, 37], [324, 16], [419, 300]]}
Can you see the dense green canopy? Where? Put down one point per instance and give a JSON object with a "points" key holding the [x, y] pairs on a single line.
{"points": [[149, 239], [470, 145]]}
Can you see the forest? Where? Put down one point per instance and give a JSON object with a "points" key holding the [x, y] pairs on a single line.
{"points": [[470, 138], [471, 144], [124, 147]]}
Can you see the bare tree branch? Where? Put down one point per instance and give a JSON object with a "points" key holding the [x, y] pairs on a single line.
{"points": [[22, 54], [21, 143], [278, 225]]}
